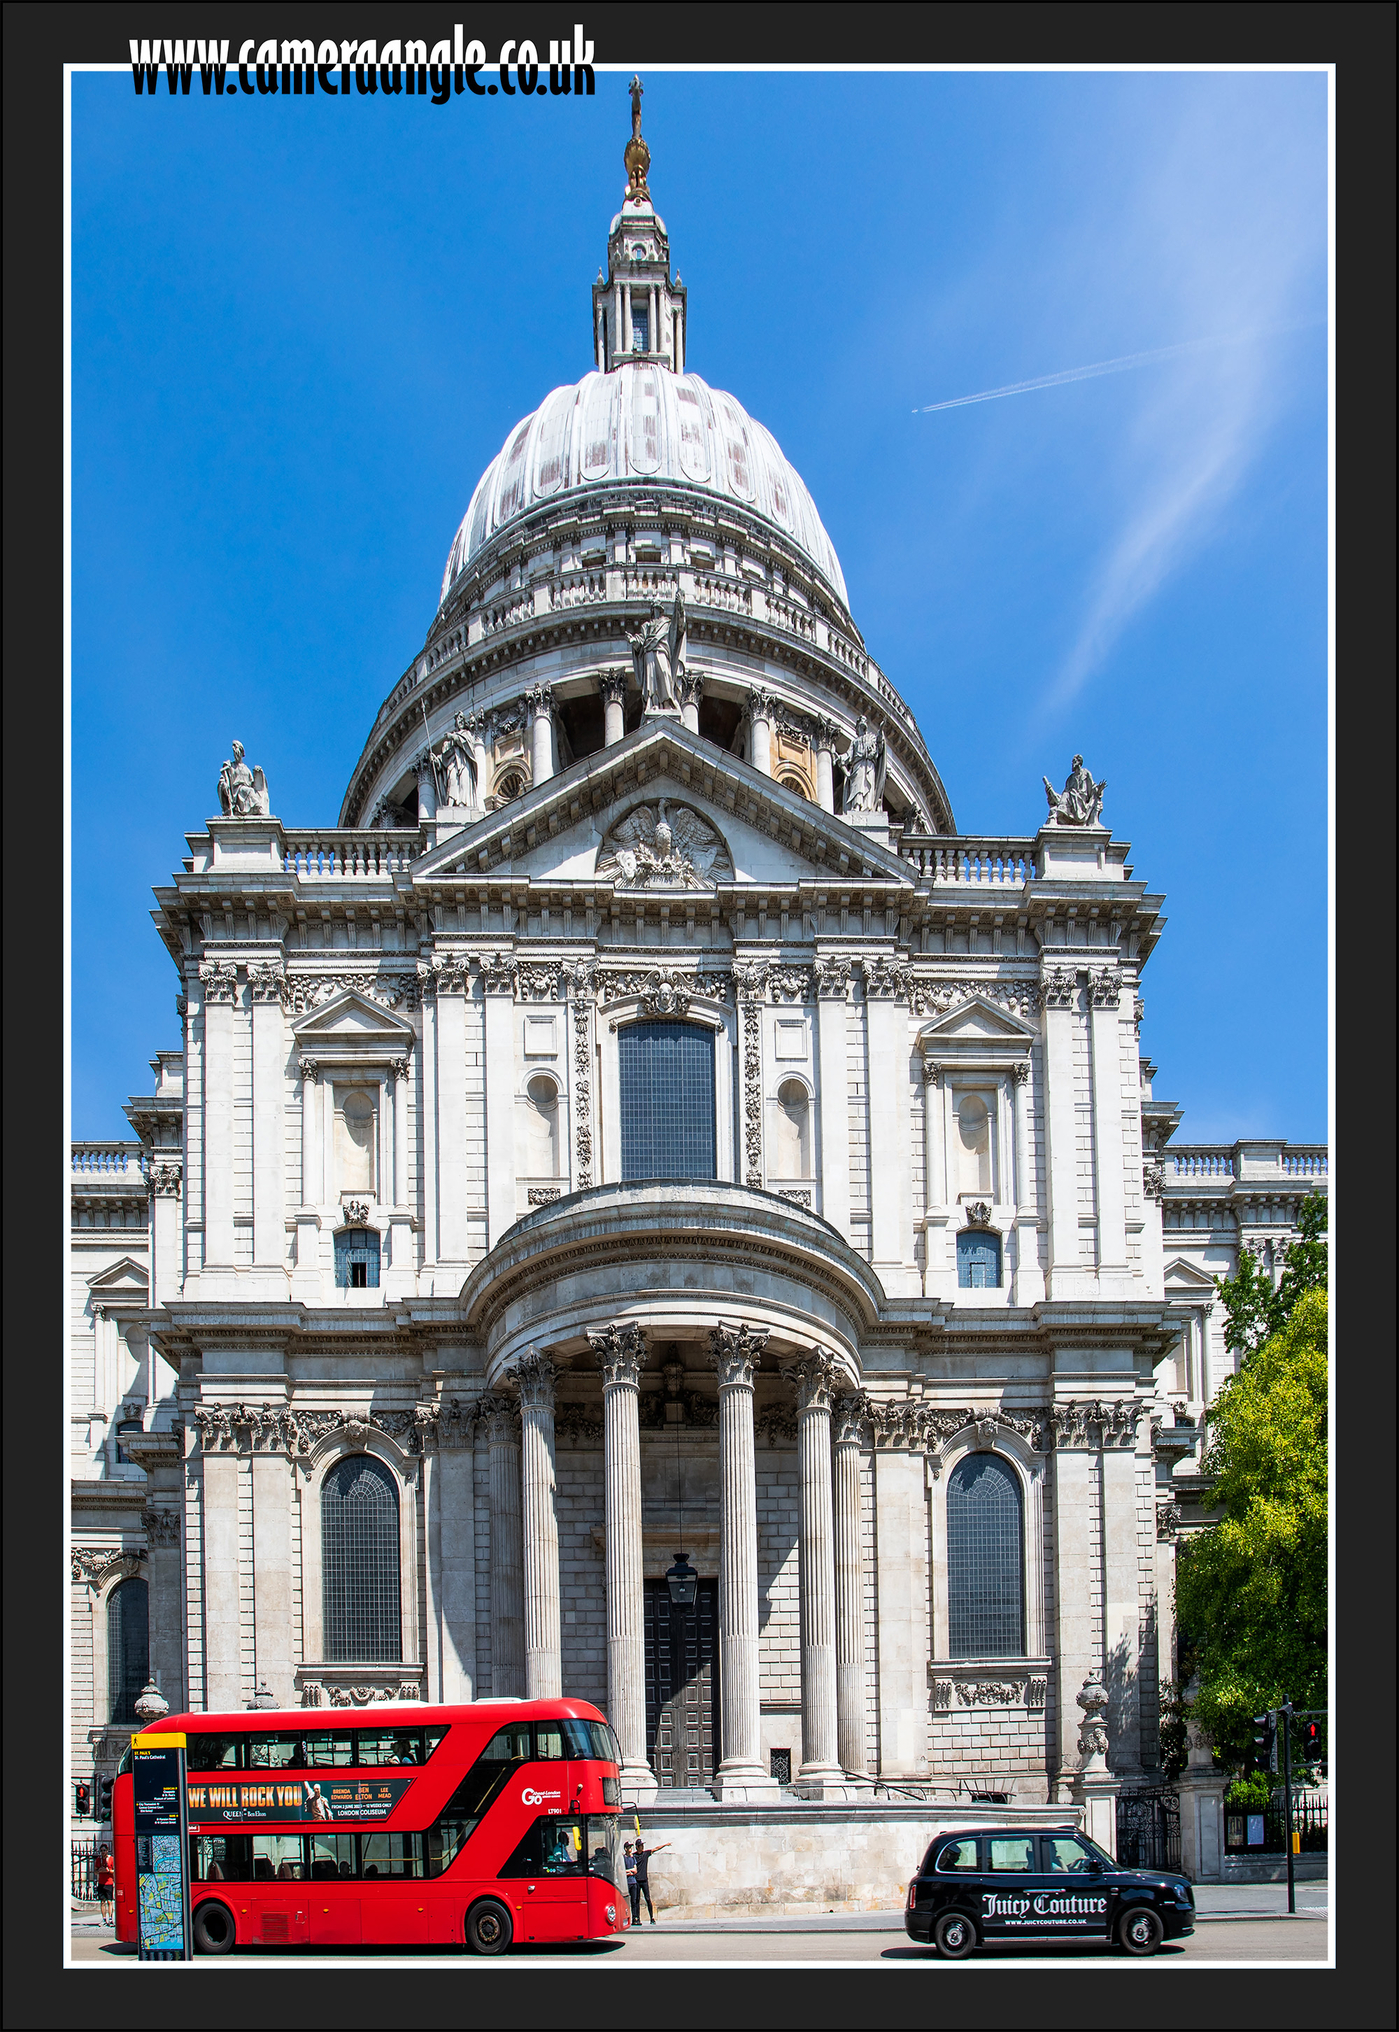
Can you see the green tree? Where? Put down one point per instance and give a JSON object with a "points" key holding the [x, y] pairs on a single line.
{"points": [[1254, 1310], [1251, 1595]]}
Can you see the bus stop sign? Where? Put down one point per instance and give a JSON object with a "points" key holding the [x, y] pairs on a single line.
{"points": [[162, 1849]]}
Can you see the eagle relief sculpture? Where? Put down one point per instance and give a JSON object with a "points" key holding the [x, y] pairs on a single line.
{"points": [[661, 847]]}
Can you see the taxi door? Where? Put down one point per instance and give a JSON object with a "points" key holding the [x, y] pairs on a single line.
{"points": [[1008, 1868], [1071, 1897]]}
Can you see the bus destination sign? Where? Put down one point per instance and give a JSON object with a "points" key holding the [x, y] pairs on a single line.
{"points": [[240, 1801]]}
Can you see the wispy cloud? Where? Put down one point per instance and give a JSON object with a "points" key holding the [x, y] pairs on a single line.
{"points": [[1121, 365]]}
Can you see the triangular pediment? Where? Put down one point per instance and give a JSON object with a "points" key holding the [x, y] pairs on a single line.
{"points": [[767, 835], [977, 1021], [350, 1019], [1181, 1277], [125, 1279]]}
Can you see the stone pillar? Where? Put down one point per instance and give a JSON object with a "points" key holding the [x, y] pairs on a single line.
{"points": [[691, 691], [1122, 1606], [1096, 1788], [825, 771], [1109, 1166], [427, 787], [679, 340], [223, 1677], [734, 1353], [450, 1506], [613, 686], [849, 1418], [812, 1379], [1077, 1562], [310, 1135], [891, 1239], [220, 985], [534, 1375], [540, 703], [449, 976], [621, 1353], [760, 724], [1201, 1790], [266, 983], [833, 986], [901, 1554], [498, 982], [1066, 1276], [626, 317], [507, 1552], [272, 1474], [401, 1070]]}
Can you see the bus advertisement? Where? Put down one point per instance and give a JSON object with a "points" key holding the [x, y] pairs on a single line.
{"points": [[393, 1825]]}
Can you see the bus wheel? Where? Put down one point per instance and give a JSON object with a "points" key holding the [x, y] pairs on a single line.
{"points": [[213, 1928], [488, 1928], [1141, 1930], [954, 1935]]}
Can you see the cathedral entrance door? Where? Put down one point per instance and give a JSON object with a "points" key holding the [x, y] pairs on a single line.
{"points": [[682, 1686]]}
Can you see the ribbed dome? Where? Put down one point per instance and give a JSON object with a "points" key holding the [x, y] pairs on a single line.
{"points": [[642, 422]]}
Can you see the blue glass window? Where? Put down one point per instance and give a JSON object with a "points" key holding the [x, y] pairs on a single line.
{"points": [[640, 330], [667, 1090], [128, 1647], [978, 1260], [359, 1562], [357, 1259], [985, 1560]]}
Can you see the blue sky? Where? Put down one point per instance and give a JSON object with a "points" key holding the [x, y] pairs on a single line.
{"points": [[301, 330]]}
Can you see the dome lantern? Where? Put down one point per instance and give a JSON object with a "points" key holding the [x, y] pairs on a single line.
{"points": [[638, 312]]}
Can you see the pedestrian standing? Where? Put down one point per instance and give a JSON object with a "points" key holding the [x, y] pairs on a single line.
{"points": [[106, 1884], [633, 1888], [642, 1859]]}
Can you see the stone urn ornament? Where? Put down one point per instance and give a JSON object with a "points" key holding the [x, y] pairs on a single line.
{"points": [[1093, 1736]]}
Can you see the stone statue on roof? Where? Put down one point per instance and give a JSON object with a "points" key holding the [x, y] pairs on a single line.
{"points": [[242, 791], [652, 648], [1081, 800]]}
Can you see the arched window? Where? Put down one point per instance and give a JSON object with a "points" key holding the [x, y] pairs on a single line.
{"points": [[541, 1129], [128, 1647], [359, 1563], [978, 1260], [792, 1141], [666, 1075], [357, 1259], [985, 1560], [973, 1144], [356, 1119]]}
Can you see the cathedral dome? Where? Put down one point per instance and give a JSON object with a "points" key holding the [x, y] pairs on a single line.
{"points": [[643, 423]]}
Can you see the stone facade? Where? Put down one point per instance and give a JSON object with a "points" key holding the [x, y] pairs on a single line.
{"points": [[402, 1045]]}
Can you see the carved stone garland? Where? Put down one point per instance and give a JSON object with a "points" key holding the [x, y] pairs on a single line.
{"points": [[751, 982]]}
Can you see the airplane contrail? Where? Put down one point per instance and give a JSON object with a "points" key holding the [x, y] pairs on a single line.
{"points": [[1117, 366]]}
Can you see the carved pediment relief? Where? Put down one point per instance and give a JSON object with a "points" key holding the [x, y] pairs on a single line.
{"points": [[352, 1030], [978, 1022], [664, 846]]}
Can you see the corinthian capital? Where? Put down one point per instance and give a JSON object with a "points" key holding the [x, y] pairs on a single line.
{"points": [[620, 1353], [735, 1351], [533, 1376], [813, 1378], [501, 1415], [850, 1417]]}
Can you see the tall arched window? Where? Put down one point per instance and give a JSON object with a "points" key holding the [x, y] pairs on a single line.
{"points": [[792, 1143], [666, 1075], [128, 1647], [985, 1560], [359, 1563], [541, 1128]]}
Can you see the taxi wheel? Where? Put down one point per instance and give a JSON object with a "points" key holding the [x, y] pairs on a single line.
{"points": [[488, 1928], [1141, 1931], [954, 1935], [214, 1931]]}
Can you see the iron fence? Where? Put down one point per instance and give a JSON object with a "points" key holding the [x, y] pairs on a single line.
{"points": [[1262, 1830], [1148, 1830], [83, 1867]]}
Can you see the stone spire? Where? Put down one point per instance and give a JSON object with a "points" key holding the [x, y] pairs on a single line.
{"points": [[638, 312]]}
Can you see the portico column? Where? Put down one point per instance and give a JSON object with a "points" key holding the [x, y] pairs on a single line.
{"points": [[534, 1375], [613, 686], [507, 1557], [734, 1353], [825, 774], [849, 1415], [819, 1776], [621, 1353], [760, 723], [541, 708]]}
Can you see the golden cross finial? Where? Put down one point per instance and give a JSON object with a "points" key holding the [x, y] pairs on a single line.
{"points": [[636, 155]]}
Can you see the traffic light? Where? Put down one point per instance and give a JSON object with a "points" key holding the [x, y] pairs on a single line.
{"points": [[104, 1799], [1311, 1748], [1265, 1740], [82, 1799]]}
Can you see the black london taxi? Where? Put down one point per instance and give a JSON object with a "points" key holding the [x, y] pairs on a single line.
{"points": [[978, 1887]]}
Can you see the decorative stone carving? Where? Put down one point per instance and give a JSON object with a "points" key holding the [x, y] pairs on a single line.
{"points": [[93, 1565], [1081, 800], [833, 979], [886, 980], [315, 1694], [1093, 1736], [932, 996], [534, 1376], [752, 1094], [242, 791], [400, 1069], [1168, 1521], [501, 1416], [799, 1195], [942, 1693], [812, 1378], [574, 1423], [543, 1195], [613, 687], [850, 1417], [1105, 988], [1020, 1071], [656, 648], [1116, 1424], [162, 1527], [932, 1072], [775, 1423], [163, 1181], [1153, 1180], [356, 1213], [789, 984], [498, 973], [620, 1352], [689, 688], [991, 1692], [267, 982], [978, 1214], [305, 992], [900, 1426], [150, 1704], [664, 846], [535, 983], [663, 990], [444, 973], [866, 765], [1036, 1692], [582, 1081], [1059, 988], [219, 980], [735, 1351]]}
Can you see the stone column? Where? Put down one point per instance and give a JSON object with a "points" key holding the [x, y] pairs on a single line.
{"points": [[891, 1239], [272, 1474], [833, 986], [901, 1561], [507, 1553], [498, 982], [427, 787], [691, 691], [613, 686], [621, 1353], [223, 1672], [734, 1353], [849, 1419], [1201, 1789], [401, 1070], [449, 1463], [266, 984], [310, 1135], [451, 1186], [1077, 1565], [534, 1374], [1066, 1275], [625, 316], [760, 722], [812, 1379], [220, 984], [1109, 1166], [825, 772], [540, 702]]}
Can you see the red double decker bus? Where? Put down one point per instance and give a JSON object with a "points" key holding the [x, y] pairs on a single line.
{"points": [[394, 1825]]}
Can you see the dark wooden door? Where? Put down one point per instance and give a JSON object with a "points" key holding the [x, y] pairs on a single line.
{"points": [[682, 1686]]}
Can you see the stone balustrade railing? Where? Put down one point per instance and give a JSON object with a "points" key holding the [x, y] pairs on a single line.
{"points": [[106, 1160], [1306, 1162], [1201, 1163], [343, 852], [1006, 863], [1249, 1162]]}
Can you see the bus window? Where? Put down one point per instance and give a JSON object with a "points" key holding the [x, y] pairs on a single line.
{"points": [[212, 1753], [390, 1855], [587, 1739], [553, 1847], [222, 1858], [431, 1738], [508, 1746], [277, 1857], [390, 1746], [603, 1844], [503, 1755], [336, 1748], [275, 1753], [333, 1855], [549, 1740]]}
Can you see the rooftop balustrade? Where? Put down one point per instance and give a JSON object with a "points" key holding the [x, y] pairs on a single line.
{"points": [[970, 862], [1249, 1162], [106, 1160], [342, 852]]}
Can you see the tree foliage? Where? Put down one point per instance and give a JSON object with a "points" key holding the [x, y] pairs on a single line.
{"points": [[1251, 1594], [1255, 1309]]}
